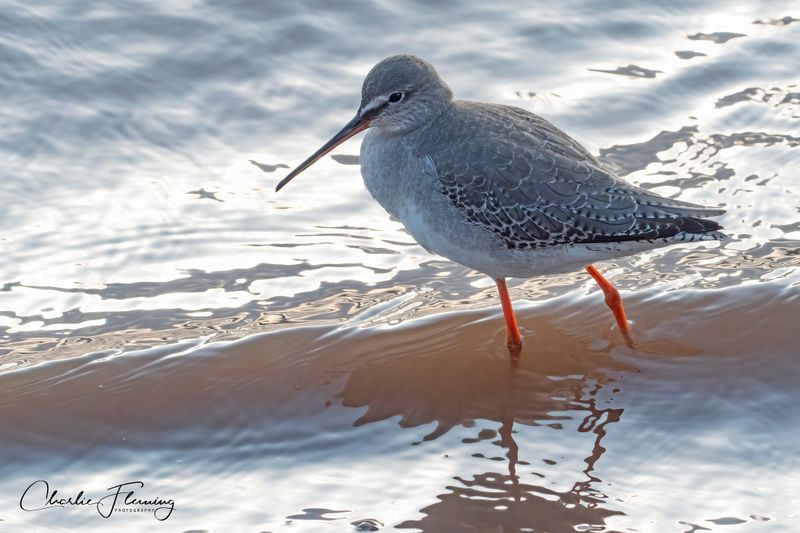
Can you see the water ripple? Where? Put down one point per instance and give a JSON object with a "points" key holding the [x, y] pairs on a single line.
{"points": [[164, 315]]}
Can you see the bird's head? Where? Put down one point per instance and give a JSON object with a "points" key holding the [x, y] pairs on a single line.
{"points": [[399, 94]]}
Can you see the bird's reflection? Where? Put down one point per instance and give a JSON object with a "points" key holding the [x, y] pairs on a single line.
{"points": [[595, 422], [557, 381]]}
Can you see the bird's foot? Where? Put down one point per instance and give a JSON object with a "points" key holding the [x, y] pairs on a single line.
{"points": [[513, 336], [514, 346], [614, 302]]}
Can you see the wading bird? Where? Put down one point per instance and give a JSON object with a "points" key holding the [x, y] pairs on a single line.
{"points": [[499, 189]]}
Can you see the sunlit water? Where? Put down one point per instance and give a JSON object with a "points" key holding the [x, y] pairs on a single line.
{"points": [[295, 362]]}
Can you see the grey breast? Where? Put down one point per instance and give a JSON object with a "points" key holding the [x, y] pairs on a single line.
{"points": [[515, 173]]}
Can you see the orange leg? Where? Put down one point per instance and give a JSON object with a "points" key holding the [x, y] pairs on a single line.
{"points": [[613, 301], [513, 338]]}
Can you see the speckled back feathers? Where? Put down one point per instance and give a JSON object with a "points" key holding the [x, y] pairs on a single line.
{"points": [[533, 185]]}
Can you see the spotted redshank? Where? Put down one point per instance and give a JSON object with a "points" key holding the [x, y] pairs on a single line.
{"points": [[499, 189]]}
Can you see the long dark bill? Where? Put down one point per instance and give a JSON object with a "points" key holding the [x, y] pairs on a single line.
{"points": [[358, 124]]}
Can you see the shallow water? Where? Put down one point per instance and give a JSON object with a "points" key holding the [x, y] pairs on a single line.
{"points": [[295, 362]]}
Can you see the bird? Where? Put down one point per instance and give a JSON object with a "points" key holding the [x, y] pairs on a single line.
{"points": [[502, 190]]}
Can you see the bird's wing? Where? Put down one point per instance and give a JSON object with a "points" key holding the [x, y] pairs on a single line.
{"points": [[523, 178]]}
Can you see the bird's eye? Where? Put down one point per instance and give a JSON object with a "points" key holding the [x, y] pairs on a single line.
{"points": [[395, 97]]}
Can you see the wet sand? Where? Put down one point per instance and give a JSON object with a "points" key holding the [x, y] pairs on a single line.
{"points": [[428, 425]]}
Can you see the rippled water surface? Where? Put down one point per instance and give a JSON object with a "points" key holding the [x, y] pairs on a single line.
{"points": [[296, 362]]}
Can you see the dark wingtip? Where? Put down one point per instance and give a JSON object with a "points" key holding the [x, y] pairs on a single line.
{"points": [[698, 225]]}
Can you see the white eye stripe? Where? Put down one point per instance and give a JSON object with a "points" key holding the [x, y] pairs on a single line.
{"points": [[374, 103]]}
